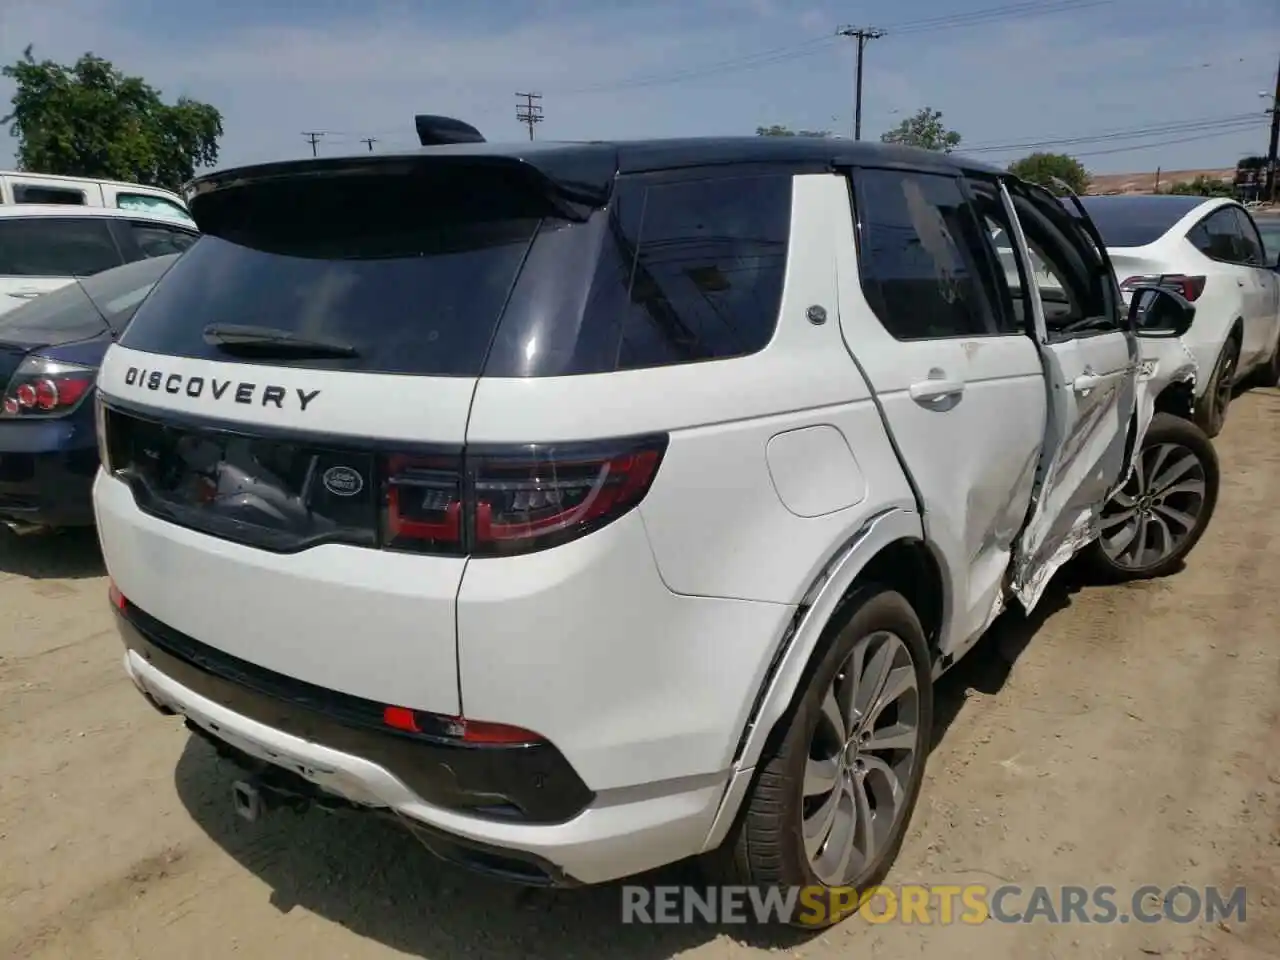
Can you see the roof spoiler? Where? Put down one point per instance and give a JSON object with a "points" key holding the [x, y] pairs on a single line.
{"points": [[434, 131]]}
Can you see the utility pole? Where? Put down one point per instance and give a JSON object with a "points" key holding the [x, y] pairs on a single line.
{"points": [[313, 137], [862, 35], [1275, 141], [1157, 180], [529, 112], [370, 141]]}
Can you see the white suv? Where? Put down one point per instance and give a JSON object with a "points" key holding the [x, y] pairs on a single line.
{"points": [[594, 506]]}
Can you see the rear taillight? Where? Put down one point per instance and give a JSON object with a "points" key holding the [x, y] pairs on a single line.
{"points": [[503, 501], [46, 388], [1188, 287]]}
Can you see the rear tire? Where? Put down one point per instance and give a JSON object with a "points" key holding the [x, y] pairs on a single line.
{"points": [[1164, 508], [842, 770], [1213, 413]]}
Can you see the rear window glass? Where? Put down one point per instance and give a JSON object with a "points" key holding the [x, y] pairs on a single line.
{"points": [[456, 274], [412, 275], [1137, 221]]}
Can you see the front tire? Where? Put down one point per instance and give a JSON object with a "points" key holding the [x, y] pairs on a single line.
{"points": [[1162, 511], [833, 798]]}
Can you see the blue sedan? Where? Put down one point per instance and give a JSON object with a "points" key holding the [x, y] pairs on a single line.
{"points": [[50, 350]]}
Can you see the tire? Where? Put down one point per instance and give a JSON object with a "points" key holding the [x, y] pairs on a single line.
{"points": [[1213, 414], [1170, 441], [767, 845]]}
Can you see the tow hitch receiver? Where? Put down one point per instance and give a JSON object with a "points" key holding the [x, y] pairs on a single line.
{"points": [[247, 800]]}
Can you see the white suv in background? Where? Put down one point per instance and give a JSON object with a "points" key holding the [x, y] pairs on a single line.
{"points": [[1211, 252], [22, 187], [594, 506], [44, 247]]}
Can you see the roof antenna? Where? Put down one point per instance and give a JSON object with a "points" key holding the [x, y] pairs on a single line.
{"points": [[435, 131]]}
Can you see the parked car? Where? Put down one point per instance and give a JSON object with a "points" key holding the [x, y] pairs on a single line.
{"points": [[50, 349], [45, 188], [46, 247], [1269, 227], [1211, 251], [593, 506]]}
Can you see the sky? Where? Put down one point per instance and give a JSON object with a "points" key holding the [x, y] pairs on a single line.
{"points": [[1125, 85]]}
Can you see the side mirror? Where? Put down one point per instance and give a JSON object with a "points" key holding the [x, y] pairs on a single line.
{"points": [[1156, 311]]}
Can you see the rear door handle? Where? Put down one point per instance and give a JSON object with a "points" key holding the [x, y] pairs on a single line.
{"points": [[1087, 382], [933, 391]]}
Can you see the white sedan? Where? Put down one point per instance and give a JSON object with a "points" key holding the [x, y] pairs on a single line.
{"points": [[1210, 251]]}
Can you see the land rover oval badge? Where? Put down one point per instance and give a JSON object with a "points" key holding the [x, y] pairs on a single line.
{"points": [[342, 481]]}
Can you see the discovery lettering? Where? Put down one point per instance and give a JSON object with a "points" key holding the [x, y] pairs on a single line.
{"points": [[244, 392]]}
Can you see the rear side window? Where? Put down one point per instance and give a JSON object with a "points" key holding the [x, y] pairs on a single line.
{"points": [[1251, 247], [923, 261], [149, 204], [157, 241], [30, 193], [1218, 236], [684, 271], [56, 247]]}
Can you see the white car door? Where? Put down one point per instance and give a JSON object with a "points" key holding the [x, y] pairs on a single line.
{"points": [[958, 381], [1262, 325], [1091, 365], [40, 254]]}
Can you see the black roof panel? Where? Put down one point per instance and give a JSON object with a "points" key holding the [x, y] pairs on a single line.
{"points": [[628, 156]]}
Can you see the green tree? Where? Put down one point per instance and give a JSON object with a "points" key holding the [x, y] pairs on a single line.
{"points": [[89, 119], [777, 130], [1203, 186], [1043, 168], [925, 130]]}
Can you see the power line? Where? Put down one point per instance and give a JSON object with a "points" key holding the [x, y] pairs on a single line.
{"points": [[862, 35], [313, 137], [1216, 124], [816, 45], [529, 112], [1147, 146]]}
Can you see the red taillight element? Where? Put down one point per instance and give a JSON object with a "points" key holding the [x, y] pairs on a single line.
{"points": [[401, 718], [116, 597], [477, 732], [46, 388], [511, 500], [1188, 287]]}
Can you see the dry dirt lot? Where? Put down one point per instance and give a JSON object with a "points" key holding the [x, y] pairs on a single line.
{"points": [[1125, 736]]}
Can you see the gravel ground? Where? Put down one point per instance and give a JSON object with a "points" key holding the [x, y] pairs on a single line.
{"points": [[1122, 736]]}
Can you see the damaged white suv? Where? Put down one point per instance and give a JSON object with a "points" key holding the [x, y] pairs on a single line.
{"points": [[593, 506]]}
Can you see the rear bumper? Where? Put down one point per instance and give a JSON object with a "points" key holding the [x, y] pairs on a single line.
{"points": [[47, 471], [612, 837]]}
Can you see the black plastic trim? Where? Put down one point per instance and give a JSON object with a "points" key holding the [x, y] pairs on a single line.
{"points": [[528, 783]]}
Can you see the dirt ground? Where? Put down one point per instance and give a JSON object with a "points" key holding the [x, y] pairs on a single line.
{"points": [[1123, 736]]}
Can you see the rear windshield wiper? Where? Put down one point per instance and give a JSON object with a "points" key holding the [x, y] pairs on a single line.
{"points": [[271, 341]]}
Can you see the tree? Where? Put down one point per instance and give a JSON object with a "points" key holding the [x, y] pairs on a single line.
{"points": [[90, 120], [1203, 186], [925, 130], [777, 130], [1042, 168]]}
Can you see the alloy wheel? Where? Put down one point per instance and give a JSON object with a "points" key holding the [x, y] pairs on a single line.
{"points": [[1157, 509], [861, 757]]}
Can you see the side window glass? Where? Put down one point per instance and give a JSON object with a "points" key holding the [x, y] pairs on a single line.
{"points": [[56, 247], [30, 193], [1253, 253], [156, 241], [923, 259], [1064, 269], [1220, 237], [1009, 282], [149, 204]]}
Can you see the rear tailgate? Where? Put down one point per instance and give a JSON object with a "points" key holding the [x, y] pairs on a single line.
{"points": [[293, 507]]}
